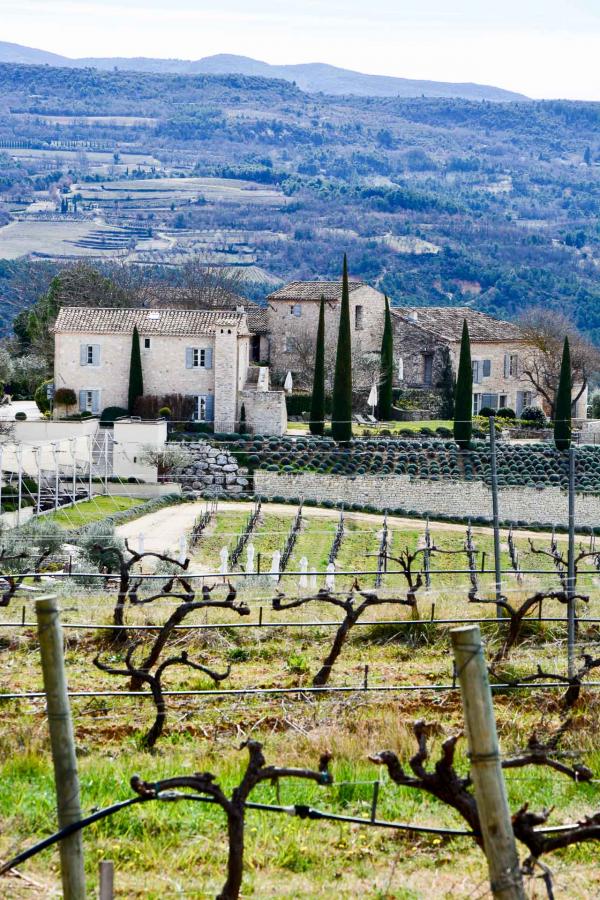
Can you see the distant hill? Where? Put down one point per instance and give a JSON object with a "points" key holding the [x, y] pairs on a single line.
{"points": [[310, 77]]}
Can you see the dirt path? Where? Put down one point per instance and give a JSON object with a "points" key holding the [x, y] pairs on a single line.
{"points": [[163, 529]]}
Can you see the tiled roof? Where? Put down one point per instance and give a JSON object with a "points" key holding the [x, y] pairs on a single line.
{"points": [[257, 319], [103, 320], [313, 290], [447, 322]]}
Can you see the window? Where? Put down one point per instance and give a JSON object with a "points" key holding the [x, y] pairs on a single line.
{"points": [[487, 368], [476, 403], [146, 343], [289, 344], [296, 310], [89, 401], [476, 367], [489, 400], [428, 368], [358, 318], [89, 354], [503, 401], [198, 358], [205, 406], [511, 365]]}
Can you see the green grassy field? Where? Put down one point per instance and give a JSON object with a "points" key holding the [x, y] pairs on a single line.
{"points": [[92, 510], [178, 849]]}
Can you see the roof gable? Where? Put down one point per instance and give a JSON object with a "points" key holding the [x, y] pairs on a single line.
{"points": [[446, 322], [94, 320], [314, 290]]}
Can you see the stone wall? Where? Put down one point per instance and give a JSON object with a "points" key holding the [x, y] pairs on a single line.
{"points": [[366, 331], [212, 470], [456, 498], [265, 411]]}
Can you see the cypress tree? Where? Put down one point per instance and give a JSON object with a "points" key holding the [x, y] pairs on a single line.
{"points": [[446, 386], [387, 366], [562, 407], [341, 417], [136, 381], [463, 398], [317, 404]]}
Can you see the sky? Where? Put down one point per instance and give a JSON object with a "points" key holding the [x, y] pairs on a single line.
{"points": [[542, 48]]}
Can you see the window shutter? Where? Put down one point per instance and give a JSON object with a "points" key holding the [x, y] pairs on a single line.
{"points": [[487, 368], [210, 408], [96, 354], [95, 402], [83, 354], [189, 357], [82, 401], [506, 365], [208, 358]]}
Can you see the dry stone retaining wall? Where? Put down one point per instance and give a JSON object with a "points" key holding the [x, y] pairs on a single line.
{"points": [[212, 470], [452, 498]]}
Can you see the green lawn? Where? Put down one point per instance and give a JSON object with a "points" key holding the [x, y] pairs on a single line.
{"points": [[92, 510]]}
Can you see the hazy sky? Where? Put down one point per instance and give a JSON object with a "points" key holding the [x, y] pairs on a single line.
{"points": [[543, 48]]}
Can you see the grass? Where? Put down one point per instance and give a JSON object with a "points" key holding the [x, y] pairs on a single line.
{"points": [[178, 849], [92, 510]]}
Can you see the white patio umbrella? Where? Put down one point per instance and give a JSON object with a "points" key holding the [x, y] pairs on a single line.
{"points": [[288, 384], [373, 398]]}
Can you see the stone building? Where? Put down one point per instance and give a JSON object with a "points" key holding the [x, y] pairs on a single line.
{"points": [[422, 336], [293, 314], [203, 354]]}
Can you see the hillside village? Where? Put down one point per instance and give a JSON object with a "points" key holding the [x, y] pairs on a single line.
{"points": [[299, 481]]}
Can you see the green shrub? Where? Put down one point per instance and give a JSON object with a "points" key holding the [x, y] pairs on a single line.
{"points": [[65, 397], [41, 397], [164, 412], [505, 412], [111, 413], [533, 416]]}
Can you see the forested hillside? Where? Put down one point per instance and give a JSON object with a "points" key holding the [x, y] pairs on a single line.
{"points": [[437, 201]]}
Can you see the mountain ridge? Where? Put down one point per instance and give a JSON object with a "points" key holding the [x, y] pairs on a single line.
{"points": [[309, 77]]}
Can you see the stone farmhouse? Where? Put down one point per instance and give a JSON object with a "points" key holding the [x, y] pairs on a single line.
{"points": [[422, 335], [204, 354], [293, 315]]}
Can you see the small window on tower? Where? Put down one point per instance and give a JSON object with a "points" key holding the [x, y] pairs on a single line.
{"points": [[358, 318], [146, 343]]}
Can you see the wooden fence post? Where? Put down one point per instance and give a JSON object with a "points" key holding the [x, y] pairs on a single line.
{"points": [[62, 742], [486, 771], [107, 880]]}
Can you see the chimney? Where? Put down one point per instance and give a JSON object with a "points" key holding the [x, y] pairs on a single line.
{"points": [[413, 315]]}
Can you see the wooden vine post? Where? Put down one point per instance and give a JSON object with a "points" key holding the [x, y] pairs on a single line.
{"points": [[62, 742], [506, 881]]}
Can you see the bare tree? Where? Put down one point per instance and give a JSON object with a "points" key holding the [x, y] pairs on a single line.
{"points": [[234, 806], [200, 286], [154, 681], [352, 613], [445, 783], [544, 332]]}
